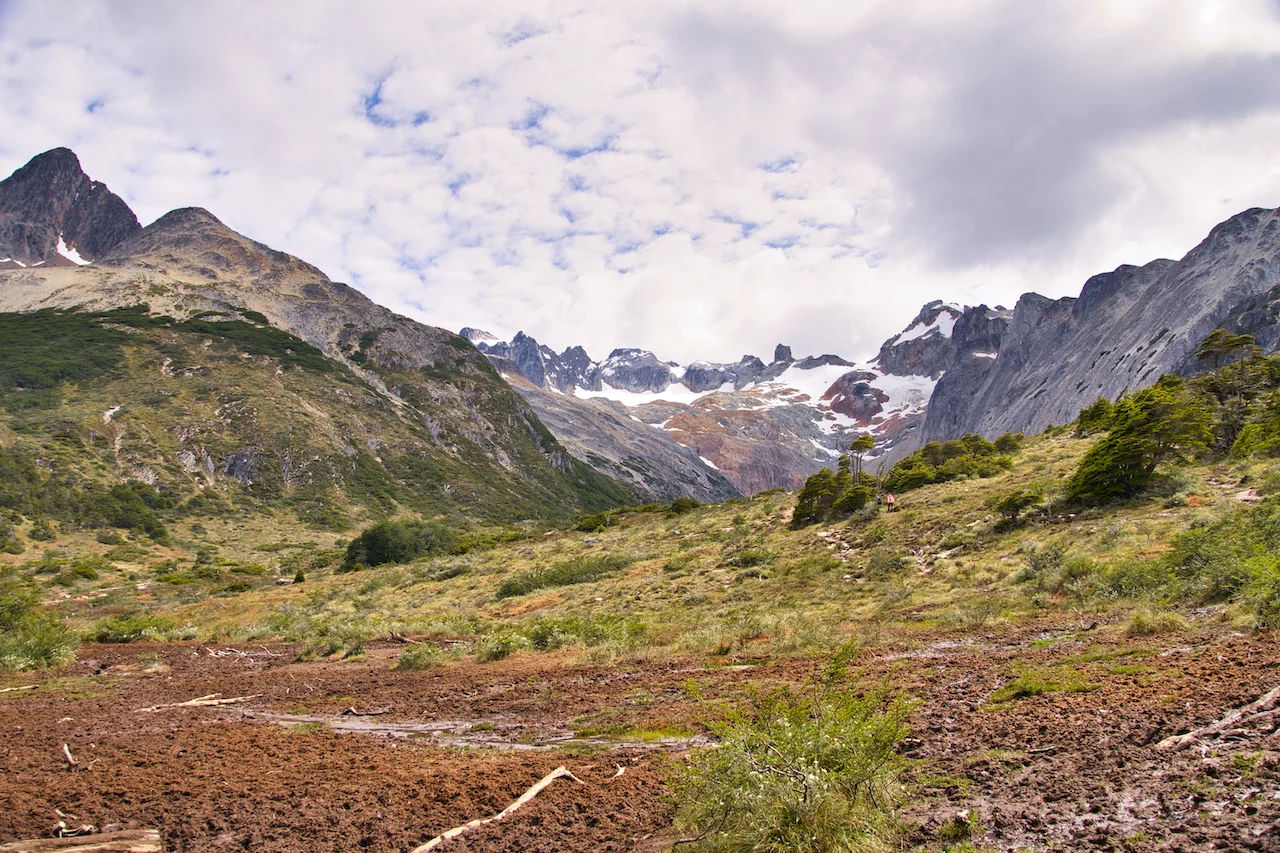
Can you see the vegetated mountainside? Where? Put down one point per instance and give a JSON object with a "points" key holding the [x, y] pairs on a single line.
{"points": [[1126, 329], [272, 381], [761, 426]]}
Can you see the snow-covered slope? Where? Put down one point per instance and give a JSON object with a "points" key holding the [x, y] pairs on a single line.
{"points": [[760, 425]]}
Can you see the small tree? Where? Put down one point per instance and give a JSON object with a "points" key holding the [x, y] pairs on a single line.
{"points": [[1011, 505], [1159, 423], [862, 445], [1220, 343], [1096, 417], [815, 500]]}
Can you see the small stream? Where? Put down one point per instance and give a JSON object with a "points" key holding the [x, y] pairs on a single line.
{"points": [[480, 734]]}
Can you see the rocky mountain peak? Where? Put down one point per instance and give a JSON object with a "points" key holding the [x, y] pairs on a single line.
{"points": [[51, 211], [782, 353], [477, 336], [192, 241]]}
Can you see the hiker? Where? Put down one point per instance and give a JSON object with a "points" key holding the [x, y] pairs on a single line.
{"points": [[890, 502]]}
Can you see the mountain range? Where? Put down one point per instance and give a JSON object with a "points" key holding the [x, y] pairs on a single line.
{"points": [[407, 416]]}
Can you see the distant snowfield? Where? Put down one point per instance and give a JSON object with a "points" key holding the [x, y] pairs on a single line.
{"points": [[676, 393], [797, 386]]}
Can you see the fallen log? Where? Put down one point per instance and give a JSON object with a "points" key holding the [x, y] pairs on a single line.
{"points": [[524, 798], [200, 702], [123, 841], [1260, 706], [23, 687]]}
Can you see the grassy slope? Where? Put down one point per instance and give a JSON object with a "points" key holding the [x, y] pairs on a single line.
{"points": [[124, 395], [731, 581]]}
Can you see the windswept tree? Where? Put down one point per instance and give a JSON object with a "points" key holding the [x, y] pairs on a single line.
{"points": [[1165, 421], [1220, 344], [862, 445]]}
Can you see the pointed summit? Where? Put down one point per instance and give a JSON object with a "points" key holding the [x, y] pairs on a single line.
{"points": [[51, 210]]}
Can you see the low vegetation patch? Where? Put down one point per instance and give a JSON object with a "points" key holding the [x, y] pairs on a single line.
{"points": [[30, 637], [811, 768], [584, 569]]}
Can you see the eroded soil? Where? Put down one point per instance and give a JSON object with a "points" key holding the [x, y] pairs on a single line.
{"points": [[1063, 770]]}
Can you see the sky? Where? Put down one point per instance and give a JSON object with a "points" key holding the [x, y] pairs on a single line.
{"points": [[702, 179]]}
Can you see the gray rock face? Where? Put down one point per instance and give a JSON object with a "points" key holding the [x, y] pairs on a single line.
{"points": [[51, 196], [925, 347], [636, 370], [1125, 329], [603, 434]]}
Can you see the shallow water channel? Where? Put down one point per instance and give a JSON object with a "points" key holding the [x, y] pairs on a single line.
{"points": [[480, 734]]}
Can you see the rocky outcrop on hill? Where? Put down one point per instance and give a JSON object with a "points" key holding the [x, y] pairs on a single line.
{"points": [[1126, 329], [52, 212]]}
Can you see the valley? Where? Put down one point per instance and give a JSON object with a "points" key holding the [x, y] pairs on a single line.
{"points": [[283, 570]]}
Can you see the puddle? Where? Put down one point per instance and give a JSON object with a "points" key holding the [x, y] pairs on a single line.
{"points": [[481, 734]]}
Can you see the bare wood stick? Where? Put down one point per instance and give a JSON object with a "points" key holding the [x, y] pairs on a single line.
{"points": [[200, 702], [124, 841], [71, 759], [23, 687], [352, 712], [524, 798], [1263, 703]]}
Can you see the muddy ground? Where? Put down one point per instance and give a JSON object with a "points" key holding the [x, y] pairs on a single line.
{"points": [[286, 770]]}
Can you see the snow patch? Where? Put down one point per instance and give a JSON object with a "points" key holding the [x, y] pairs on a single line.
{"points": [[709, 463], [943, 323], [71, 254], [986, 354]]}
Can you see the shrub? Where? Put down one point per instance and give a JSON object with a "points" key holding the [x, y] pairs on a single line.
{"points": [[421, 656], [811, 769], [30, 637], [578, 570], [498, 646], [680, 506], [1148, 622], [397, 541]]}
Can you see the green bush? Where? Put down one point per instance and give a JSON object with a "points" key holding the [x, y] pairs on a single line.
{"points": [[578, 570], [421, 656], [941, 462], [498, 646], [811, 769], [398, 541], [680, 506], [30, 637]]}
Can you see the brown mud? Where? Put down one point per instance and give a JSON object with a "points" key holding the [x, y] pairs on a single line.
{"points": [[418, 753]]}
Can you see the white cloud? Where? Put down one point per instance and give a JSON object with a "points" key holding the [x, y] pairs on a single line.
{"points": [[699, 180]]}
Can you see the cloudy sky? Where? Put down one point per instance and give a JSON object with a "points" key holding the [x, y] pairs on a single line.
{"points": [[703, 179]]}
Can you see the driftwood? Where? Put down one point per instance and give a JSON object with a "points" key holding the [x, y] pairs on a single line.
{"points": [[397, 637], [23, 687], [524, 798], [200, 702], [1262, 705], [124, 841]]}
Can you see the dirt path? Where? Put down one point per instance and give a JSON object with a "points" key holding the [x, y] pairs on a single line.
{"points": [[1063, 770]]}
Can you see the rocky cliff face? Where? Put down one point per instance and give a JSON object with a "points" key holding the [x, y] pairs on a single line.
{"points": [[51, 212], [1126, 329]]}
